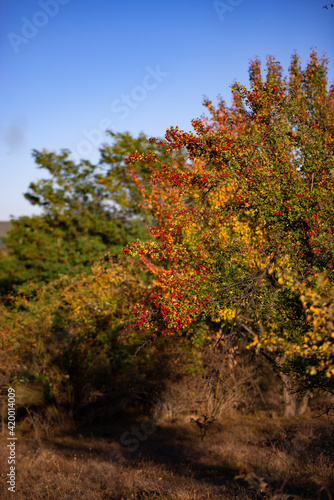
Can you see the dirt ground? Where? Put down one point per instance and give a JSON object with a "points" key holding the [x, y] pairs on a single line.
{"points": [[240, 457]]}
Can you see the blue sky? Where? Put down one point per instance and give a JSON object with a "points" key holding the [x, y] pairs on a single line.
{"points": [[73, 68]]}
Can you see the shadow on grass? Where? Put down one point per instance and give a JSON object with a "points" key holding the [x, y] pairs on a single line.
{"points": [[176, 449]]}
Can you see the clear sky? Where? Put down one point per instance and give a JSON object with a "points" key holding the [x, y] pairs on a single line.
{"points": [[73, 68]]}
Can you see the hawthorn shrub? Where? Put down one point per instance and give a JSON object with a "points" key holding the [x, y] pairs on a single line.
{"points": [[246, 240]]}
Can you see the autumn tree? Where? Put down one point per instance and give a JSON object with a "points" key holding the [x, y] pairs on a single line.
{"points": [[250, 246], [88, 210]]}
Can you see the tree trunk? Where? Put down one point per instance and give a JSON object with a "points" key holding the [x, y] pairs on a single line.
{"points": [[294, 405]]}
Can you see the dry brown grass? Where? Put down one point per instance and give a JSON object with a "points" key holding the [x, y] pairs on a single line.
{"points": [[241, 457], [248, 452]]}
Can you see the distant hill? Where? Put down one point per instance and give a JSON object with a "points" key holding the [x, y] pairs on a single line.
{"points": [[5, 226]]}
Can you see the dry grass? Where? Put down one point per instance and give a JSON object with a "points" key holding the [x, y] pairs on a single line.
{"points": [[240, 458], [248, 451]]}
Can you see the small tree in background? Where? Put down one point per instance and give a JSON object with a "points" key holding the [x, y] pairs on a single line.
{"points": [[88, 210]]}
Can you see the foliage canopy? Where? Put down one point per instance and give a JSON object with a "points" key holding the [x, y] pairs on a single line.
{"points": [[249, 234], [88, 210]]}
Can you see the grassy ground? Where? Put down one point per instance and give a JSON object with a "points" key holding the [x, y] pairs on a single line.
{"points": [[240, 457]]}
